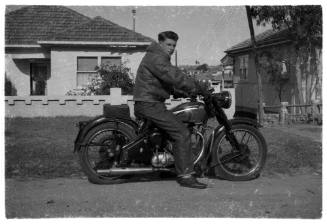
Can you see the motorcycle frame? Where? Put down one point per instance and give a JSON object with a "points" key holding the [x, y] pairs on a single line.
{"points": [[142, 136], [225, 125]]}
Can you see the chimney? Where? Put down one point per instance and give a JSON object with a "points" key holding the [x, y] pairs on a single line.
{"points": [[134, 12]]}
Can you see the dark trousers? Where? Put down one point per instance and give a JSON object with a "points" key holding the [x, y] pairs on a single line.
{"points": [[166, 120]]}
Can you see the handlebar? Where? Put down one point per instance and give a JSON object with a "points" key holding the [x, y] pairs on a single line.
{"points": [[180, 94]]}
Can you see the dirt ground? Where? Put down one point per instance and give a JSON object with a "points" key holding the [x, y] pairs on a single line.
{"points": [[278, 197], [276, 194]]}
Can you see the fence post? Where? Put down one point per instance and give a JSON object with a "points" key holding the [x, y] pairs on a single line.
{"points": [[283, 112], [264, 117], [315, 112], [115, 96]]}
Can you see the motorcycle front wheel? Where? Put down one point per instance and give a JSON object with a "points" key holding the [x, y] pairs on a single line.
{"points": [[97, 154], [245, 163]]}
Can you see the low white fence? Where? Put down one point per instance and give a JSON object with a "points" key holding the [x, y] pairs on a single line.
{"points": [[292, 113], [52, 106]]}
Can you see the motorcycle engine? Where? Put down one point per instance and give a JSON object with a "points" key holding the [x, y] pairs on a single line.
{"points": [[162, 159], [162, 156]]}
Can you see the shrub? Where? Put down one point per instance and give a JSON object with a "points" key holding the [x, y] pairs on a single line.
{"points": [[113, 76], [108, 76], [10, 89]]}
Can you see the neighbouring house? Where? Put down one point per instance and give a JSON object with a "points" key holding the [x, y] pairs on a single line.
{"points": [[227, 72], [280, 83], [50, 50]]}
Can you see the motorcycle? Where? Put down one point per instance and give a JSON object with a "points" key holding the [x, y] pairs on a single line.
{"points": [[113, 145]]}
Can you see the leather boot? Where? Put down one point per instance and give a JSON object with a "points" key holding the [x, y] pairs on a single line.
{"points": [[190, 181]]}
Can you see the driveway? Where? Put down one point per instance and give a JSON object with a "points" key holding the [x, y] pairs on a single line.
{"points": [[278, 197]]}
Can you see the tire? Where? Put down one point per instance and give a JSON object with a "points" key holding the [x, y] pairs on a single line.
{"points": [[239, 168], [102, 135]]}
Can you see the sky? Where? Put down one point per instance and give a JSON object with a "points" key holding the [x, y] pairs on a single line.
{"points": [[205, 32]]}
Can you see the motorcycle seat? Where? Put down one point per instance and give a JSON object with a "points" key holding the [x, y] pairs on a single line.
{"points": [[116, 111]]}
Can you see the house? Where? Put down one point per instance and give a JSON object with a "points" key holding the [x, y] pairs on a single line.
{"points": [[50, 50], [270, 44], [227, 73]]}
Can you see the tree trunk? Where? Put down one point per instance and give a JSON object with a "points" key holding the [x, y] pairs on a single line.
{"points": [[319, 73], [314, 76], [308, 76], [298, 74], [260, 95]]}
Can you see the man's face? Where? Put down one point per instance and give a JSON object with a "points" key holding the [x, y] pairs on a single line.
{"points": [[168, 46]]}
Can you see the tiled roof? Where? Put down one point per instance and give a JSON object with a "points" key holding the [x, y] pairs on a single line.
{"points": [[33, 23], [227, 60], [99, 29], [267, 37]]}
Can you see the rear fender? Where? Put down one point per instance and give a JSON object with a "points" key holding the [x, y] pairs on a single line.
{"points": [[86, 126]]}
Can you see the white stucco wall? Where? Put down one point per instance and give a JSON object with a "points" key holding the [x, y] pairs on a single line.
{"points": [[19, 75], [64, 66], [17, 67]]}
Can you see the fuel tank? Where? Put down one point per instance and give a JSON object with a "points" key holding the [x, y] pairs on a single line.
{"points": [[191, 112]]}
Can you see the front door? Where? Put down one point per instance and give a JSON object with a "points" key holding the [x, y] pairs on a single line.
{"points": [[38, 80]]}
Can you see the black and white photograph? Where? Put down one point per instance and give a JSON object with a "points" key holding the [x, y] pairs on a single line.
{"points": [[162, 110]]}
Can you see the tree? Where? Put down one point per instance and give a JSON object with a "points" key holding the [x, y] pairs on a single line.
{"points": [[304, 24], [204, 67], [276, 65]]}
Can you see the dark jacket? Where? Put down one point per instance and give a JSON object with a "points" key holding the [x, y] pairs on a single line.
{"points": [[156, 77]]}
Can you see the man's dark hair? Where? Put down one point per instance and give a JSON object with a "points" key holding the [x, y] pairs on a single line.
{"points": [[167, 35]]}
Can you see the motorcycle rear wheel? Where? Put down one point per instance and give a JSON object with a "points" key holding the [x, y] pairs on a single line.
{"points": [[240, 168], [93, 155]]}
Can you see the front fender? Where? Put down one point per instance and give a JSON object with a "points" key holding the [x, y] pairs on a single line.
{"points": [[220, 128], [86, 126], [245, 120], [238, 120]]}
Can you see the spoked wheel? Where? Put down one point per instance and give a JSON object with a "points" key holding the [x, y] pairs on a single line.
{"points": [[245, 163], [101, 152]]}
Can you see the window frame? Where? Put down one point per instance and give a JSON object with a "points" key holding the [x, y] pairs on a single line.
{"points": [[244, 67], [112, 57], [99, 60]]}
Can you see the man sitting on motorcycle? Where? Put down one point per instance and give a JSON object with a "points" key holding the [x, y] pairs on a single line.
{"points": [[155, 80]]}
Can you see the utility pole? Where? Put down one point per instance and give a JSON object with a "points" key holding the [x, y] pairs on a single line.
{"points": [[176, 58], [254, 50], [134, 13]]}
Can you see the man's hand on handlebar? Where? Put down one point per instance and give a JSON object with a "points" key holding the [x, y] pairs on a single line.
{"points": [[203, 88], [180, 94]]}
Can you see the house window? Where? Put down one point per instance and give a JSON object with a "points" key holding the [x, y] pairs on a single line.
{"points": [[86, 69], [38, 78], [244, 64], [111, 61]]}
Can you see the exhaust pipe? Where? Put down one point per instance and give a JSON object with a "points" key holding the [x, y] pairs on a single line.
{"points": [[123, 171]]}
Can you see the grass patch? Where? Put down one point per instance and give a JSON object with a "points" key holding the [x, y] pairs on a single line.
{"points": [[43, 147], [290, 153]]}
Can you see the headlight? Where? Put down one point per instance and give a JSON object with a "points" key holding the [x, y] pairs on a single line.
{"points": [[223, 99]]}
